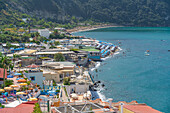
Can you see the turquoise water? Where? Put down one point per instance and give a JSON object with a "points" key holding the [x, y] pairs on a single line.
{"points": [[134, 76]]}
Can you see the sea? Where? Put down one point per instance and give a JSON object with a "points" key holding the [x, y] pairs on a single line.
{"points": [[131, 74]]}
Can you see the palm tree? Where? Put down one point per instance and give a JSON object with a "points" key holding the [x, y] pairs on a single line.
{"points": [[15, 56], [5, 63]]}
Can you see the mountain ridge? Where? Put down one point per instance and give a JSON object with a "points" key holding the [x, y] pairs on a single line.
{"points": [[122, 12]]}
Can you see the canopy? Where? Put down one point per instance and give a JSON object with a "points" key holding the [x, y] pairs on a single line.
{"points": [[8, 88], [32, 99], [13, 86], [22, 80], [21, 93], [23, 84], [2, 90], [17, 74], [33, 66], [10, 76]]}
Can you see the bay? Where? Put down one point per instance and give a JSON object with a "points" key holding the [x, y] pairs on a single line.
{"points": [[133, 75]]}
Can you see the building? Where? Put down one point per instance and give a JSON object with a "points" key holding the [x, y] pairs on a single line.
{"points": [[51, 52], [35, 75], [1, 75], [44, 32], [137, 108], [33, 30], [57, 70]]}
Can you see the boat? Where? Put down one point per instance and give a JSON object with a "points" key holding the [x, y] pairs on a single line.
{"points": [[147, 54]]}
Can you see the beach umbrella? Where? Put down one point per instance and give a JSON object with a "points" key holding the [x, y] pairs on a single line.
{"points": [[9, 76], [32, 99], [19, 78], [17, 74], [21, 93], [73, 76], [30, 88], [13, 86], [22, 80], [23, 84], [2, 90], [79, 77], [74, 96], [8, 88]]}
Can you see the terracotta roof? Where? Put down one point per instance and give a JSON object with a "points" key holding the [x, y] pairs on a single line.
{"points": [[33, 66], [141, 108], [2, 73], [26, 107]]}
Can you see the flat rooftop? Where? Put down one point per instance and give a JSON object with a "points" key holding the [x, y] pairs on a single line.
{"points": [[89, 49]]}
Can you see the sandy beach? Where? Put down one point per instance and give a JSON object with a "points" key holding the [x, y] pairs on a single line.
{"points": [[88, 28]]}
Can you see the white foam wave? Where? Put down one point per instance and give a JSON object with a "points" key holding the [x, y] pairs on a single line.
{"points": [[101, 96], [96, 66]]}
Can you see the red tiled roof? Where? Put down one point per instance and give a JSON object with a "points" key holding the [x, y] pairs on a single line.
{"points": [[33, 66], [2, 73], [141, 108], [23, 108]]}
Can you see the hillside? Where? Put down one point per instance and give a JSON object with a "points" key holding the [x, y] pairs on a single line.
{"points": [[122, 12]]}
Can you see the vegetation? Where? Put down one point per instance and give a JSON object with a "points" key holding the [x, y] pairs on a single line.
{"points": [[2, 106], [66, 81], [72, 12], [8, 83], [5, 63], [37, 108], [57, 43], [59, 57], [74, 49]]}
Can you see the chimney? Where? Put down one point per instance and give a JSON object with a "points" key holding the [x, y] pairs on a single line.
{"points": [[110, 102], [121, 107]]}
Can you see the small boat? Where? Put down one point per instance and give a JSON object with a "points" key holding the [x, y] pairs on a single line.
{"points": [[147, 54]]}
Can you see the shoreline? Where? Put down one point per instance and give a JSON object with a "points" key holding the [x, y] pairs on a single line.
{"points": [[90, 28]]}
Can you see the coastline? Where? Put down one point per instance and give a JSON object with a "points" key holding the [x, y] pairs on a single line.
{"points": [[89, 28], [97, 94]]}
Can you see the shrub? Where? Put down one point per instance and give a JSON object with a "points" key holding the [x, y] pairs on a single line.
{"points": [[37, 108]]}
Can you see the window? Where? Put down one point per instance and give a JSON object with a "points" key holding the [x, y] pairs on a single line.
{"points": [[32, 78]]}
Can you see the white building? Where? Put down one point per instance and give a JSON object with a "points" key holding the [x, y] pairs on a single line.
{"points": [[44, 32]]}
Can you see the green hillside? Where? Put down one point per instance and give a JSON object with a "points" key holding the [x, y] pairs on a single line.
{"points": [[122, 12]]}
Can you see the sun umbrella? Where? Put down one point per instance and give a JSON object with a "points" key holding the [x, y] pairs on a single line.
{"points": [[73, 95], [2, 90], [20, 93], [8, 88], [13, 86], [73, 76], [9, 76], [21, 80], [32, 99], [30, 88], [79, 77], [23, 84]]}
